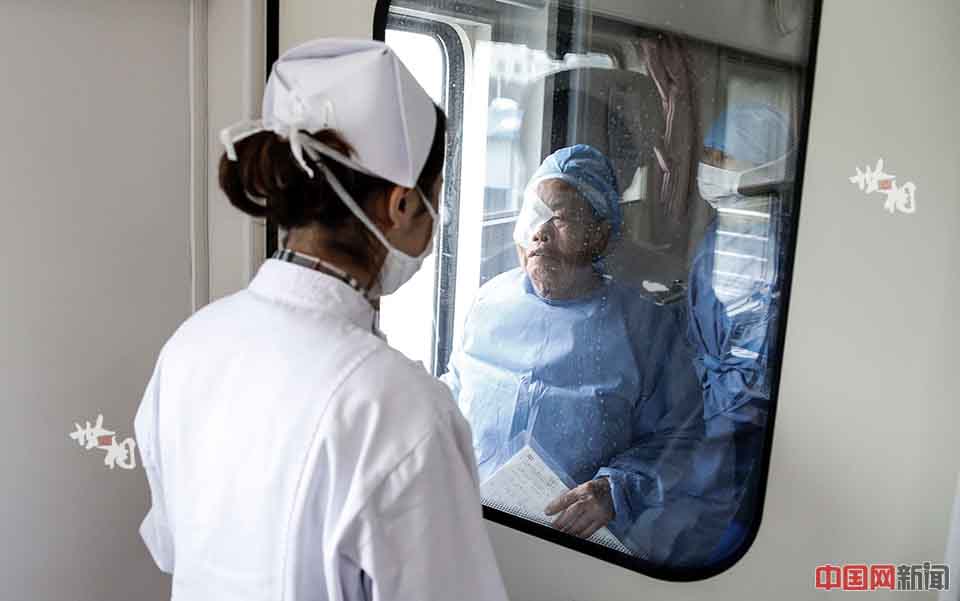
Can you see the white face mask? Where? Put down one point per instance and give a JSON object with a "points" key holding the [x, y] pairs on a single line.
{"points": [[398, 267], [716, 184]]}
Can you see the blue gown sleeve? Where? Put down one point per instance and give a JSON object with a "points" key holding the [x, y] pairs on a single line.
{"points": [[735, 402], [452, 376], [730, 352]]}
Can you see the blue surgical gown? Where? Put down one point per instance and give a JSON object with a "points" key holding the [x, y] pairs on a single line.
{"points": [[733, 307], [604, 385]]}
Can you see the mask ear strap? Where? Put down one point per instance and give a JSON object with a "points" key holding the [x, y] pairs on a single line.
{"points": [[426, 201], [296, 148], [352, 205], [775, 170], [779, 161], [316, 149], [237, 132]]}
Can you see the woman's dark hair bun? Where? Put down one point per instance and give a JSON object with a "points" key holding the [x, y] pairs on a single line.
{"points": [[267, 182]]}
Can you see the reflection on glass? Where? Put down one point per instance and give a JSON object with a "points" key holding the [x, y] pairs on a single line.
{"points": [[734, 294], [560, 357], [625, 213]]}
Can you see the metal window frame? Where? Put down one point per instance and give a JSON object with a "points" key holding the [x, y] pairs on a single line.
{"points": [[446, 266], [273, 53], [688, 574]]}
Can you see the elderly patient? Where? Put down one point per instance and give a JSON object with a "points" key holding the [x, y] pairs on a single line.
{"points": [[597, 376]]}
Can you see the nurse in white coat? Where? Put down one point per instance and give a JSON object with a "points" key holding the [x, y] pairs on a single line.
{"points": [[291, 453]]}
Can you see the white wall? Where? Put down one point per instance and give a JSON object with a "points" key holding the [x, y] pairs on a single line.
{"points": [[304, 20], [117, 230], [237, 65], [96, 274]]}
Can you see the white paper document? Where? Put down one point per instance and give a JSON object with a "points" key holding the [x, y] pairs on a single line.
{"points": [[525, 485]]}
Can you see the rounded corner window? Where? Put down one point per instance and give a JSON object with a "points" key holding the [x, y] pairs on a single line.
{"points": [[609, 302]]}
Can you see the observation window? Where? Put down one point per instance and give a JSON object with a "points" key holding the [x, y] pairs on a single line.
{"points": [[608, 300]]}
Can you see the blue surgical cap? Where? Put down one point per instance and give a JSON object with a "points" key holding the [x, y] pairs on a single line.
{"points": [[753, 133], [591, 173]]}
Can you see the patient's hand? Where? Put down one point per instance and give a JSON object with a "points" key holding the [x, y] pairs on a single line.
{"points": [[583, 510]]}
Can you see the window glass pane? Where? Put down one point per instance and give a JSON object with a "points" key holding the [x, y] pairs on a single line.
{"points": [[625, 206], [407, 316]]}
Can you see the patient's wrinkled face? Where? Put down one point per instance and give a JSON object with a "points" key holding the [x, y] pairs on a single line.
{"points": [[558, 261]]}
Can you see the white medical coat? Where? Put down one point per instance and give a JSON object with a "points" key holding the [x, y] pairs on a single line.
{"points": [[293, 455]]}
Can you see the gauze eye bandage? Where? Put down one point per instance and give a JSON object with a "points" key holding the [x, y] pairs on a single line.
{"points": [[533, 215]]}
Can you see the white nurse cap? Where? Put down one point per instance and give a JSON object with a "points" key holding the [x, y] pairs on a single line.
{"points": [[361, 89]]}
